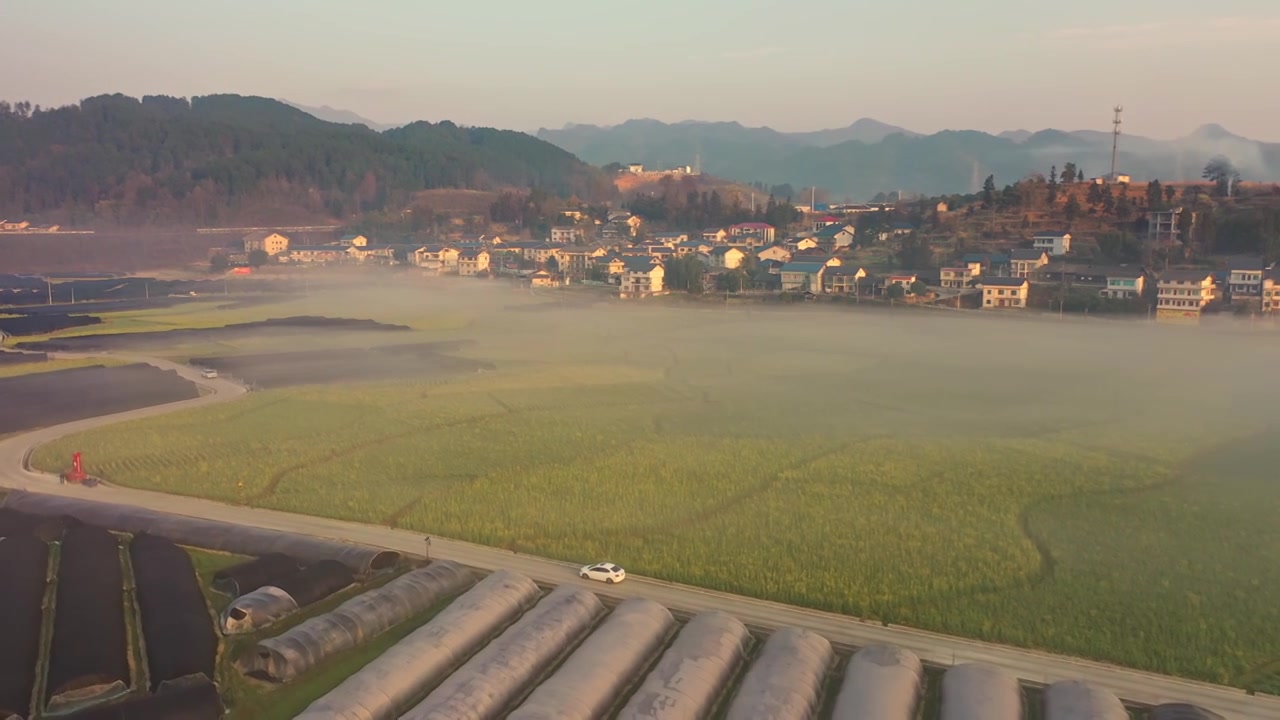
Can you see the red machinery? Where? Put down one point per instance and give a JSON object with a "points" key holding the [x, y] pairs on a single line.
{"points": [[77, 475]]}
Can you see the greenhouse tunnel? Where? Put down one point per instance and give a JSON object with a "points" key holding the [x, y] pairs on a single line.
{"points": [[208, 534], [245, 577], [489, 684], [89, 652], [272, 603], [607, 664], [197, 700], [389, 685], [976, 691], [24, 570], [694, 672], [356, 621], [881, 682], [1079, 700], [786, 679], [177, 630]]}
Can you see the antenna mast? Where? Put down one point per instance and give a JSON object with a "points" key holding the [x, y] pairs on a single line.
{"points": [[1115, 140]]}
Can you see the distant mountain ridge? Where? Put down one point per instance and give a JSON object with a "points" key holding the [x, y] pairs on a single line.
{"points": [[339, 116], [869, 156]]}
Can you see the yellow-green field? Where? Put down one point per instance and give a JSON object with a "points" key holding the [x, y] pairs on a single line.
{"points": [[1087, 488]]}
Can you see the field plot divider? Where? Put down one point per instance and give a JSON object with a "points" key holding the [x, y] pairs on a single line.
{"points": [[133, 623], [46, 630]]}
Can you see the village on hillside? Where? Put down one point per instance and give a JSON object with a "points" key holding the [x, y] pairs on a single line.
{"points": [[1062, 246]]}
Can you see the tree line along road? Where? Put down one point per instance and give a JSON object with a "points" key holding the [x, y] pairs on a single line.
{"points": [[1029, 666]]}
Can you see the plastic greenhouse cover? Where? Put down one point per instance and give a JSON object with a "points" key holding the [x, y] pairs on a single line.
{"points": [[882, 682], [495, 679], [356, 621], [593, 679], [256, 610], [785, 681], [1079, 700], [390, 684], [977, 691], [694, 672]]}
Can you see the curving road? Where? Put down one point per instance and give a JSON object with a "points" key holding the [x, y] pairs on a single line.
{"points": [[1030, 666]]}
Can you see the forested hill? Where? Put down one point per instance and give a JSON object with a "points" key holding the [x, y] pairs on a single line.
{"points": [[227, 158]]}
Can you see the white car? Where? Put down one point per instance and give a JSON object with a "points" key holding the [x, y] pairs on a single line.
{"points": [[209, 373], [604, 572]]}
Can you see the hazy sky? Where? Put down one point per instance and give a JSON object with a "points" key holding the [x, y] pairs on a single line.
{"points": [[924, 64]]}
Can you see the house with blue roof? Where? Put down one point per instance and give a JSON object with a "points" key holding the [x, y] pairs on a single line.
{"points": [[835, 236], [803, 277]]}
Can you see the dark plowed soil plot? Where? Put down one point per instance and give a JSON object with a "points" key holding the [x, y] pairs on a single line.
{"points": [[24, 566], [8, 357], [177, 629], [317, 582], [264, 328], [44, 324], [88, 654], [424, 361], [197, 701], [34, 401], [253, 574], [14, 523]]}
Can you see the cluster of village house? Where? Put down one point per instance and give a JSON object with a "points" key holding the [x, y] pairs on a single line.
{"points": [[809, 262]]}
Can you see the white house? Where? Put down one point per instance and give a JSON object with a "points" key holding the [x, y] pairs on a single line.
{"points": [[1054, 243]]}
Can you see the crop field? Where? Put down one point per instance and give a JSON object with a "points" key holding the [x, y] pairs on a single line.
{"points": [[1079, 487]]}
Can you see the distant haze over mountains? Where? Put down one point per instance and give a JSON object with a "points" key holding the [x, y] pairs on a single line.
{"points": [[869, 156], [337, 115]]}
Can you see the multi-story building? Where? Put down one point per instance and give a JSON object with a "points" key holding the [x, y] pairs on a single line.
{"points": [[715, 235], [1245, 282], [1164, 227], [566, 234], [473, 262], [844, 280], [1053, 243], [271, 243], [726, 256], [641, 276], [1271, 292], [803, 277], [1124, 284], [1025, 263], [764, 230], [1185, 293], [959, 276], [576, 261], [1005, 292]]}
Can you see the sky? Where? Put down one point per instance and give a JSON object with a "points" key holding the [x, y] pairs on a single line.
{"points": [[926, 65]]}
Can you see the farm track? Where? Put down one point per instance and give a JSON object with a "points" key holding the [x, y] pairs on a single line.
{"points": [[1032, 666]]}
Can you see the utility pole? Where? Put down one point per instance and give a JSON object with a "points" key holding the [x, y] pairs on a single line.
{"points": [[49, 284], [1115, 141]]}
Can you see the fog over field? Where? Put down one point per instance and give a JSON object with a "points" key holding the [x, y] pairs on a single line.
{"points": [[1096, 487]]}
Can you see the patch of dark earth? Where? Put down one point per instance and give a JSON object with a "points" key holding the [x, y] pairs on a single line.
{"points": [[27, 325], [113, 293], [53, 398], [418, 362], [274, 327]]}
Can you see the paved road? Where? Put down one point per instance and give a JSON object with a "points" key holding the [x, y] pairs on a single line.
{"points": [[1031, 666]]}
